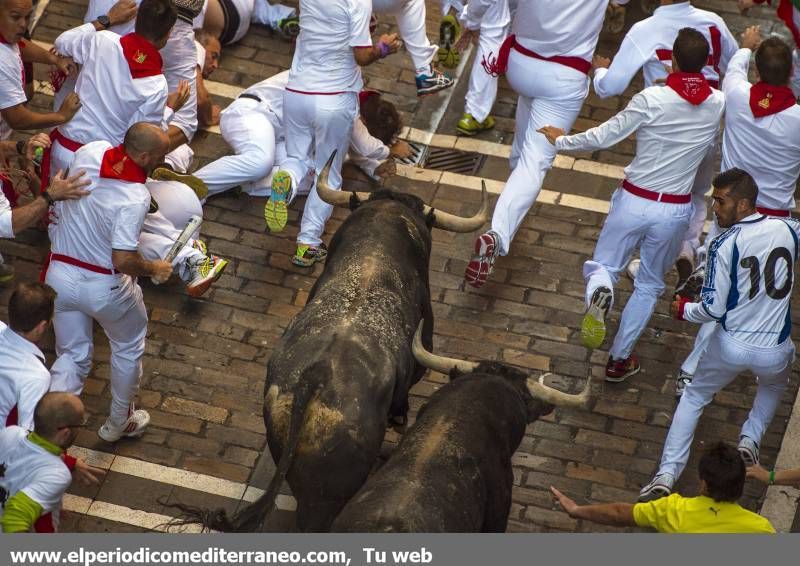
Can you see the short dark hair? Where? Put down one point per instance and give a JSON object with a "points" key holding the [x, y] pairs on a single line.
{"points": [[381, 118], [774, 61], [30, 304], [155, 19], [739, 183], [722, 468], [54, 411], [690, 50]]}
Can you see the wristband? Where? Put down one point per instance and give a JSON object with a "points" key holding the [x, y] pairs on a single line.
{"points": [[48, 197], [682, 306], [772, 477], [384, 49], [21, 147]]}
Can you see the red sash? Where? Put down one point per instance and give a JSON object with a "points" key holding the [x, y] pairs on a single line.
{"points": [[497, 66]]}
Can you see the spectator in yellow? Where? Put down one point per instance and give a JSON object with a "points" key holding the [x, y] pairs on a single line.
{"points": [[715, 510]]}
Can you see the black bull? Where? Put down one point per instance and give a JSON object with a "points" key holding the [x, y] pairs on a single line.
{"points": [[452, 471], [344, 364]]}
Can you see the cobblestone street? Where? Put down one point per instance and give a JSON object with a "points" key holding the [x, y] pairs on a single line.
{"points": [[205, 363]]}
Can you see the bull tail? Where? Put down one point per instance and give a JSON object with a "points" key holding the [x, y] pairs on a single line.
{"points": [[253, 518]]}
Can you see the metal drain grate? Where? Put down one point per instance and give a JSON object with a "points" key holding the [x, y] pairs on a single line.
{"points": [[443, 159]]}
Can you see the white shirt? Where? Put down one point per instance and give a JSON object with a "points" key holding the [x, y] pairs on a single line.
{"points": [[11, 84], [672, 137], [109, 218], [560, 27], [6, 227], [23, 377], [201, 55], [29, 468], [768, 148], [366, 151], [323, 59], [749, 279], [485, 14], [648, 46], [111, 99]]}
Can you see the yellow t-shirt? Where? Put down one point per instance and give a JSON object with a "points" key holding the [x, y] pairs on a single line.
{"points": [[677, 514]]}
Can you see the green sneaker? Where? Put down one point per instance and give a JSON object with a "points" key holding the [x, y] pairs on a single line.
{"points": [[166, 174], [307, 255], [289, 28], [469, 126], [449, 30], [276, 213], [593, 327]]}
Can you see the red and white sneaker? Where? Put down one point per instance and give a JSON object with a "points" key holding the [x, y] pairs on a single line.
{"points": [[487, 249], [620, 370], [137, 422]]}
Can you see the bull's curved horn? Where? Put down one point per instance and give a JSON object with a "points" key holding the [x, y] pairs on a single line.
{"points": [[327, 194], [558, 398], [454, 223], [434, 362]]}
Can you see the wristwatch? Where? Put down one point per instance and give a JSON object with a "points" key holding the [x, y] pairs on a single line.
{"points": [[104, 21], [48, 197]]}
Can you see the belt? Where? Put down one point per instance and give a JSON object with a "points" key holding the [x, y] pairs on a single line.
{"points": [[82, 264], [774, 212], [653, 195], [250, 96]]}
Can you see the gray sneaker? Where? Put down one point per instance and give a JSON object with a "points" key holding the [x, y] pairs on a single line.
{"points": [[661, 486], [748, 450], [683, 380]]}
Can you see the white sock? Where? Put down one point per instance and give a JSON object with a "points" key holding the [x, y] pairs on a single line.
{"points": [[426, 70]]}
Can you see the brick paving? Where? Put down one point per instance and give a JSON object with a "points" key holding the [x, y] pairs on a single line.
{"points": [[205, 361]]}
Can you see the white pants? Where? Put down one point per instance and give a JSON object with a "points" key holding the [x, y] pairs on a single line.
{"points": [[316, 126], [247, 128], [549, 94], [180, 64], [180, 158], [410, 16], [268, 14], [482, 89], [724, 360], [115, 302], [702, 183], [657, 229]]}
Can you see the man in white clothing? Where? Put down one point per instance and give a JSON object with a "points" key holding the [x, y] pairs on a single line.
{"points": [[747, 293], [93, 263], [229, 20], [674, 126], [762, 137], [548, 58]]}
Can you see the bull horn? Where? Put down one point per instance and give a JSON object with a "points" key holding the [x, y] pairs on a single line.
{"points": [[327, 194], [434, 362], [558, 398], [454, 223]]}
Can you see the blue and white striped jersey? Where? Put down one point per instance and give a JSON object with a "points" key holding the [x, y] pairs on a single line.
{"points": [[749, 279]]}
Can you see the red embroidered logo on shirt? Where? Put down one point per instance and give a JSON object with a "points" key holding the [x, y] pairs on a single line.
{"points": [[139, 57]]}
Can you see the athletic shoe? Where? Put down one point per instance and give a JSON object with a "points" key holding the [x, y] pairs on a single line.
{"points": [[434, 82], [683, 380], [618, 371], [633, 268], [306, 255], [289, 28], [661, 486], [691, 287], [748, 450], [276, 212], [487, 248], [449, 30], [203, 271], [6, 271], [469, 126], [593, 327], [133, 427], [166, 174]]}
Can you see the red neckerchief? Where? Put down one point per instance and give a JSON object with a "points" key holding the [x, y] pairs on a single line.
{"points": [[143, 58], [692, 87], [117, 165], [365, 94], [20, 43], [766, 99]]}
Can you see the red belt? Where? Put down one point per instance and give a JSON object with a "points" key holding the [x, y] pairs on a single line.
{"points": [[56, 136], [774, 212], [76, 262], [653, 195], [497, 66]]}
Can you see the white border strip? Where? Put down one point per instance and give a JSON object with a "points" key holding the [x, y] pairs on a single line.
{"points": [[126, 515]]}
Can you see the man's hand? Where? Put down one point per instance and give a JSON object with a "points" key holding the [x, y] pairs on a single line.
{"points": [[600, 62], [121, 12], [551, 133], [758, 473], [38, 140], [68, 188], [215, 111], [467, 36], [386, 169], [566, 503], [392, 40], [751, 38], [65, 64], [177, 99], [86, 474], [744, 6], [70, 106], [400, 149], [162, 271], [675, 307]]}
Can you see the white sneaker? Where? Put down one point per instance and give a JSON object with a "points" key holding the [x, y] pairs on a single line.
{"points": [[748, 449], [661, 486], [683, 380], [133, 427], [633, 268]]}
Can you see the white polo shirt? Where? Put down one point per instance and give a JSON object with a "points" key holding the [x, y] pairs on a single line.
{"points": [[109, 218], [111, 98], [558, 27], [12, 82], [6, 227], [323, 60], [768, 148], [648, 46], [672, 137], [23, 377], [31, 469]]}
